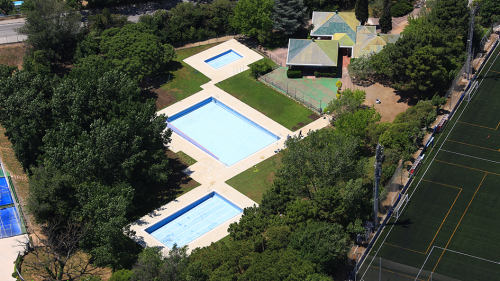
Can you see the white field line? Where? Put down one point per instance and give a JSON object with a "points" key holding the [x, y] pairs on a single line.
{"points": [[470, 156]]}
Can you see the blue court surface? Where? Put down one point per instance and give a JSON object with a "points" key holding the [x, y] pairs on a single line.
{"points": [[194, 220], [220, 131], [5, 197], [223, 59], [9, 223]]}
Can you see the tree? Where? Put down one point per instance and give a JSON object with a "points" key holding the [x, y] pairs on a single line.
{"points": [[51, 27], [26, 113], [356, 124], [135, 50], [322, 159], [323, 244], [490, 10], [56, 253], [347, 104], [6, 6], [362, 11], [7, 70], [451, 15], [288, 15], [385, 20], [360, 68], [253, 18]]}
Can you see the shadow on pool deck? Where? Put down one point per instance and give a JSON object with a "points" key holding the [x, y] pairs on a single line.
{"points": [[178, 184]]}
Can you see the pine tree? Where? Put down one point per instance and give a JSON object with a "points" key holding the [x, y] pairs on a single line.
{"points": [[362, 11], [288, 15], [385, 20]]}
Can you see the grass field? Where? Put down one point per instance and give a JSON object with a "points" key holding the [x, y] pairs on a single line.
{"points": [[257, 179], [451, 226], [268, 101], [183, 80]]}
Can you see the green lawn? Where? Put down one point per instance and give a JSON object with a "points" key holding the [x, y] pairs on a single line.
{"points": [[257, 179], [186, 158], [268, 101], [183, 80]]}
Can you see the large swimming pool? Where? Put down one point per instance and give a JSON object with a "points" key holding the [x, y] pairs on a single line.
{"points": [[223, 59], [220, 131], [194, 220]]}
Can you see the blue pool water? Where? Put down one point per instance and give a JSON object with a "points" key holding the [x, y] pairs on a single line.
{"points": [[220, 131], [194, 220], [9, 222], [5, 197], [223, 59]]}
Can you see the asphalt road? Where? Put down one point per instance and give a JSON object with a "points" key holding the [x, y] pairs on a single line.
{"points": [[8, 29]]}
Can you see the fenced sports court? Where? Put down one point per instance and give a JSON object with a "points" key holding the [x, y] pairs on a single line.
{"points": [[450, 227], [314, 93]]}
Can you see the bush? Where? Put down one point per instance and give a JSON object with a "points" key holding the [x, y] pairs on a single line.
{"points": [[325, 74], [401, 8], [121, 275], [259, 68], [293, 73], [338, 84]]}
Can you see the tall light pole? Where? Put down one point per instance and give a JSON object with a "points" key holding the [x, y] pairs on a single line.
{"points": [[379, 158]]}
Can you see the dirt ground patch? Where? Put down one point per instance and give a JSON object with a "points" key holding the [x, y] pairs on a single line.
{"points": [[12, 54]]}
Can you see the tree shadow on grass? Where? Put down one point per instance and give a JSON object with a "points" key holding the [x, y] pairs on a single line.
{"points": [[159, 195]]}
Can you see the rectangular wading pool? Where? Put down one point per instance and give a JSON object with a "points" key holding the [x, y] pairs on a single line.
{"points": [[194, 220], [223, 59], [220, 131]]}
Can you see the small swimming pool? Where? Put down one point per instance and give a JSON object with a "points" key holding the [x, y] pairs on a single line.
{"points": [[9, 222], [223, 59], [220, 131], [194, 220]]}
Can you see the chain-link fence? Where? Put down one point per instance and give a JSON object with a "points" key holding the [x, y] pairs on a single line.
{"points": [[293, 92], [391, 190], [459, 83]]}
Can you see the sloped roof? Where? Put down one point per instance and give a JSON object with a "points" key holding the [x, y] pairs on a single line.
{"points": [[309, 52], [370, 29], [329, 23], [368, 43], [344, 39]]}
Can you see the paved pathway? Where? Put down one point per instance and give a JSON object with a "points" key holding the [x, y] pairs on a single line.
{"points": [[10, 247], [208, 171]]}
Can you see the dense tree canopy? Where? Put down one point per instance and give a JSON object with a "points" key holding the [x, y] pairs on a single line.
{"points": [[288, 15], [51, 27], [135, 50], [490, 10], [253, 18], [94, 147]]}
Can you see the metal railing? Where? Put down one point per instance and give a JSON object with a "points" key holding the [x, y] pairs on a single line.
{"points": [[294, 93]]}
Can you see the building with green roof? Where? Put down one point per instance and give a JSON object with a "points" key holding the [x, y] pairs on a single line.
{"points": [[333, 32]]}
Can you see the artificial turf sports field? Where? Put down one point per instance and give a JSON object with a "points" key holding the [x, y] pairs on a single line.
{"points": [[451, 225]]}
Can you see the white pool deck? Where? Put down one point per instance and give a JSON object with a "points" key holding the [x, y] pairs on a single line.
{"points": [[209, 172]]}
